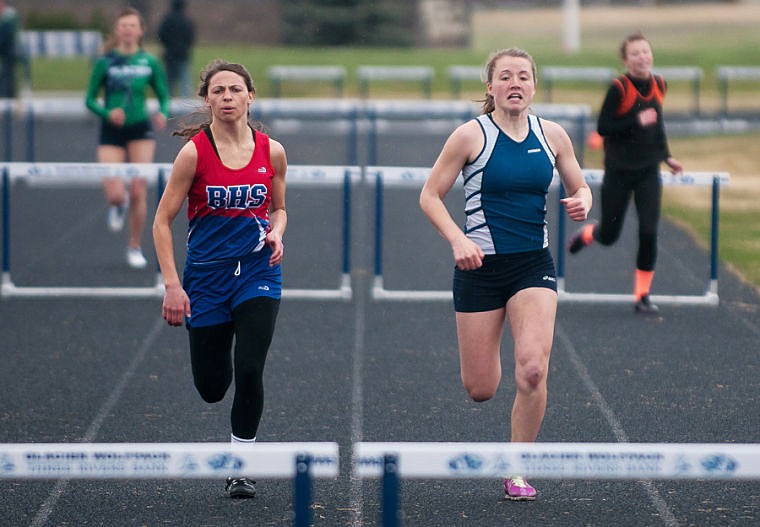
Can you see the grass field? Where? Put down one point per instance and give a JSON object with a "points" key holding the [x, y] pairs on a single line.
{"points": [[703, 35]]}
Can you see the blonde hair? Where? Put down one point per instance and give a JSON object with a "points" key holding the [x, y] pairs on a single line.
{"points": [[487, 73]]}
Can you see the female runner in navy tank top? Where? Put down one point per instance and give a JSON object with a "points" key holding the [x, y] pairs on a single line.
{"points": [[504, 270]]}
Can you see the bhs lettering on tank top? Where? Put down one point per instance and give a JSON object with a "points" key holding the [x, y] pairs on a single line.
{"points": [[228, 208]]}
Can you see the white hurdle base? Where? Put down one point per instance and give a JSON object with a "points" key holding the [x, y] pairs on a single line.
{"points": [[9, 290], [710, 298], [561, 460], [380, 293], [344, 292], [164, 460]]}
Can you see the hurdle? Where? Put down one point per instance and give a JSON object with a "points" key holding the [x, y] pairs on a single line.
{"points": [[415, 177], [421, 74], [57, 174], [57, 43], [392, 462], [460, 73], [689, 74], [53, 174], [551, 74], [272, 111], [63, 461], [329, 175], [710, 296], [279, 74], [265, 110], [600, 75], [6, 107], [726, 74], [378, 111], [409, 177]]}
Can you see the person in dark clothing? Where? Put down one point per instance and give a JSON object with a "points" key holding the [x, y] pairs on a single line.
{"points": [[635, 144], [8, 49], [177, 35]]}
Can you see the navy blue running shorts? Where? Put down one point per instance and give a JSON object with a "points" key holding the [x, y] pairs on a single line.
{"points": [[216, 289], [121, 135], [500, 277]]}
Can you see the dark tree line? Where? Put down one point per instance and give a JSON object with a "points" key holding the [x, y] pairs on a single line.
{"points": [[350, 22]]}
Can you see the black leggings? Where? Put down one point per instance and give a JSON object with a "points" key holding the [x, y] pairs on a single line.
{"points": [[646, 187], [252, 327]]}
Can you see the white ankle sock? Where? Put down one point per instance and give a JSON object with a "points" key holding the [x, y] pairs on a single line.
{"points": [[234, 439]]}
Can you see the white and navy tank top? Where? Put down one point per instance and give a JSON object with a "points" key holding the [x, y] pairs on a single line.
{"points": [[505, 190]]}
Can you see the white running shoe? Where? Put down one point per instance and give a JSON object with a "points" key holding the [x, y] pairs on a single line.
{"points": [[135, 258], [116, 217]]}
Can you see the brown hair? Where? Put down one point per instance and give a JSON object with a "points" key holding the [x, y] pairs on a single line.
{"points": [[111, 42], [203, 117], [633, 37], [487, 73]]}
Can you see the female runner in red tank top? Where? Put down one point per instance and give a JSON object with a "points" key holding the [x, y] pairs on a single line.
{"points": [[234, 179]]}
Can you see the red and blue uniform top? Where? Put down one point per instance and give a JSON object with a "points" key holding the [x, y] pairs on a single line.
{"points": [[228, 208]]}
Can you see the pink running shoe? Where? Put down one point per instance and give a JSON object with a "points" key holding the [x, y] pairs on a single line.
{"points": [[517, 489]]}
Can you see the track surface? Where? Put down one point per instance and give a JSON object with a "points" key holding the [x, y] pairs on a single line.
{"points": [[102, 370]]}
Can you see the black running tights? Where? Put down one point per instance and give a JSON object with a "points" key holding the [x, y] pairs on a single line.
{"points": [[646, 187], [212, 360]]}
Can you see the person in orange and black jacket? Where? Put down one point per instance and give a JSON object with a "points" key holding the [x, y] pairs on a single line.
{"points": [[635, 144]]}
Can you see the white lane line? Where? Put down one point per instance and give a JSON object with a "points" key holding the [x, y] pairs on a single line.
{"points": [[106, 408], [617, 428], [357, 402]]}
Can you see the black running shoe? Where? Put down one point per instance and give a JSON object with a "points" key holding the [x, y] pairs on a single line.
{"points": [[646, 307], [577, 241], [241, 488]]}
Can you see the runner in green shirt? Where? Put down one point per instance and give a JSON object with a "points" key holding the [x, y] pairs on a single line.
{"points": [[126, 79], [124, 73]]}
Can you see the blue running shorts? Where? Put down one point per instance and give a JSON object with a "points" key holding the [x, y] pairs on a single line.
{"points": [[501, 276], [216, 289]]}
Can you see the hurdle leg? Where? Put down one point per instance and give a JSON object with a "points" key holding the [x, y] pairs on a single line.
{"points": [[714, 219], [302, 492], [390, 503], [6, 243]]}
